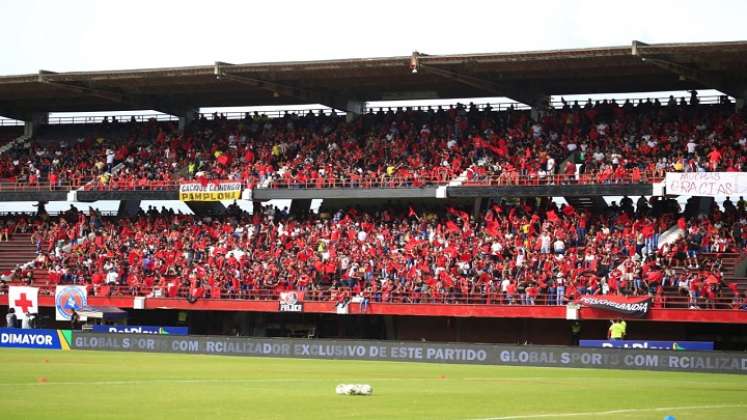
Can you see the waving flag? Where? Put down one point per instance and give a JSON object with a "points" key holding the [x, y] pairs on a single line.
{"points": [[459, 213], [24, 300], [637, 306]]}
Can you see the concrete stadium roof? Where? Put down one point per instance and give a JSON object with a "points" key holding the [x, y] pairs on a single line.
{"points": [[523, 76]]}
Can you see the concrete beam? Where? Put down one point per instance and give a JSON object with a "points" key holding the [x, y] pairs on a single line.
{"points": [[13, 114], [684, 72], [340, 193], [88, 89], [551, 190], [417, 66], [350, 105]]}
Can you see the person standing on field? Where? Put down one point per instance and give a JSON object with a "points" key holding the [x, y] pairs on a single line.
{"points": [[10, 318], [575, 333], [615, 331], [74, 318]]}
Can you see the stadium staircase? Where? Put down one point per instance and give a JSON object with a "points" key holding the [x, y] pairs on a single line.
{"points": [[13, 143], [729, 267], [18, 141], [732, 265], [17, 251]]}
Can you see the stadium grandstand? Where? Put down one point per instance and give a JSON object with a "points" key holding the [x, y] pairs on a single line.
{"points": [[471, 221], [385, 210]]}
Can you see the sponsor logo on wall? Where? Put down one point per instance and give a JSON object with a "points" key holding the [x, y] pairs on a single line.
{"points": [[487, 354], [140, 329], [212, 191], [291, 301], [649, 344], [67, 299], [35, 338]]}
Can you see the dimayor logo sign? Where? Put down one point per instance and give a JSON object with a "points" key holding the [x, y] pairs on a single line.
{"points": [[67, 299], [35, 339]]}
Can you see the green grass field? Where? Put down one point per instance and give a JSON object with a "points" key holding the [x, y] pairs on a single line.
{"points": [[108, 385]]}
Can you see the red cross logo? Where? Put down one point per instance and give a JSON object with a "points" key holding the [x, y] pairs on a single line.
{"points": [[24, 303]]}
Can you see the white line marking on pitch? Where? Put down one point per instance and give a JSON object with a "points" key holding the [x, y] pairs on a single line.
{"points": [[196, 381], [612, 412]]}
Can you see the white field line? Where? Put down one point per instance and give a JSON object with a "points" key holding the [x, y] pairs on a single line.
{"points": [[200, 381], [613, 412]]}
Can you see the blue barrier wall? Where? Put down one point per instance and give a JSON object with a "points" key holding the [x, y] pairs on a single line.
{"points": [[649, 344], [35, 338], [140, 329]]}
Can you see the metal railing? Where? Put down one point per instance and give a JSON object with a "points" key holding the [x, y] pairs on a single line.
{"points": [[362, 182], [279, 113], [507, 178], [669, 299], [6, 122], [40, 186]]}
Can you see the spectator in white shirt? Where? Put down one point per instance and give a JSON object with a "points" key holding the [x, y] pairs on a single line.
{"points": [[112, 277]]}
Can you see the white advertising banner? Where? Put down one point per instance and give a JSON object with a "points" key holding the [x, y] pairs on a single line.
{"points": [[24, 300], [706, 184], [67, 298]]}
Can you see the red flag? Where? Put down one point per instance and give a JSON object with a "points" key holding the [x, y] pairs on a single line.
{"points": [[411, 213], [459, 213], [492, 230], [494, 149], [412, 243], [224, 159], [552, 216], [451, 226]]}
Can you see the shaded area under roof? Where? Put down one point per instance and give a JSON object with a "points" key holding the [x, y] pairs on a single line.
{"points": [[518, 75]]}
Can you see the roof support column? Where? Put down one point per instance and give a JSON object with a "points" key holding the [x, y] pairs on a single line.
{"points": [[539, 103], [33, 121], [740, 100], [353, 109], [186, 118]]}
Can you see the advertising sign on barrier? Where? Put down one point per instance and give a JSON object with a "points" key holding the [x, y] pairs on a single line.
{"points": [[649, 344], [637, 306], [706, 184], [35, 338], [484, 354], [67, 299], [24, 300], [291, 302], [212, 191], [140, 329]]}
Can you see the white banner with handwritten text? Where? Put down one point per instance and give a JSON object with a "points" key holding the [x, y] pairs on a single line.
{"points": [[706, 184]]}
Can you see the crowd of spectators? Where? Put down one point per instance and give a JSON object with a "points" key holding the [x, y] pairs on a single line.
{"points": [[516, 252], [69, 157], [604, 142]]}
